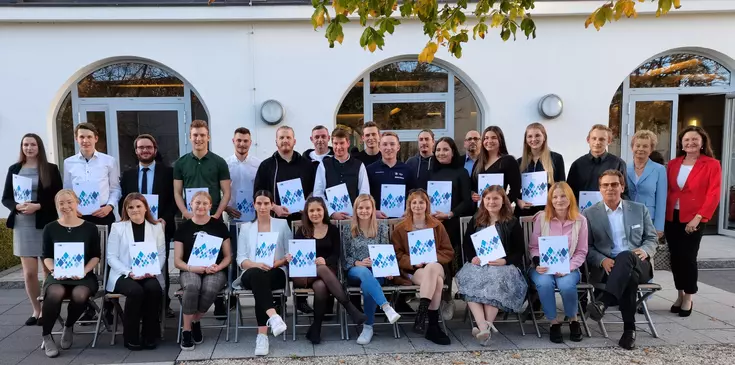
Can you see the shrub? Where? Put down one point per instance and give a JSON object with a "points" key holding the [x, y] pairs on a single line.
{"points": [[7, 259]]}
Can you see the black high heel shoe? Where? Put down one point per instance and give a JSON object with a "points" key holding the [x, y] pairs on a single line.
{"points": [[686, 313]]}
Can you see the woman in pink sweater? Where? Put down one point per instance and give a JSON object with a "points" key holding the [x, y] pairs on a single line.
{"points": [[560, 218]]}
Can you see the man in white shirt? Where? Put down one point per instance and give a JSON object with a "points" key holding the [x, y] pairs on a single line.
{"points": [[243, 168], [320, 139], [341, 169], [89, 165], [87, 170]]}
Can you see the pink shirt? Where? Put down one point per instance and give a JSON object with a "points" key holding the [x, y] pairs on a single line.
{"points": [[557, 228]]}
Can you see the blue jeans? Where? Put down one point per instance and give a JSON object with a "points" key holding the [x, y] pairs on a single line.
{"points": [[372, 291], [545, 285]]}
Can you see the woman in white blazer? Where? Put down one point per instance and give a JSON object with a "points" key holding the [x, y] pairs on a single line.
{"points": [[143, 293], [264, 277]]}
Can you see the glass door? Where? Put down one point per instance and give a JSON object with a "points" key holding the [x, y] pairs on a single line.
{"points": [[727, 204], [657, 113], [97, 115], [165, 122]]}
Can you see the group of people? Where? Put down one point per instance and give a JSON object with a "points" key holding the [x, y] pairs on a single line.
{"points": [[616, 238]]}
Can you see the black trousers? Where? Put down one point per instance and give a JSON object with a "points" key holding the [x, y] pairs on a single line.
{"points": [[684, 248], [622, 282], [142, 301], [262, 283]]}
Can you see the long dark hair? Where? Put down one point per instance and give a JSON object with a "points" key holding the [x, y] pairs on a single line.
{"points": [[706, 144], [137, 196], [456, 158], [44, 175], [307, 227], [484, 154], [264, 193]]}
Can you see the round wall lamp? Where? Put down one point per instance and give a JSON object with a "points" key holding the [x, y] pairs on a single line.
{"points": [[272, 112], [550, 106]]}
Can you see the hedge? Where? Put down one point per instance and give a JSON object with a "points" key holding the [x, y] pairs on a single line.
{"points": [[7, 259]]}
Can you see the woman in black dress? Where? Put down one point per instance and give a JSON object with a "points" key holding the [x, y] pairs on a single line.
{"points": [[494, 159], [316, 226], [538, 157], [68, 228]]}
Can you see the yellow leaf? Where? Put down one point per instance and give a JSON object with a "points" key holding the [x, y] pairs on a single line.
{"points": [[320, 18], [340, 38], [590, 19], [496, 20], [427, 55], [677, 4], [372, 46]]}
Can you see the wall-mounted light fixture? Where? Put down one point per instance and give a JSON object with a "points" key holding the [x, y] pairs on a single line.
{"points": [[272, 112], [550, 106]]}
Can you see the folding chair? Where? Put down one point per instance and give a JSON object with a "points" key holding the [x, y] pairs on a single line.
{"points": [[644, 292], [408, 289], [241, 292], [98, 270], [463, 222], [308, 292], [389, 290]]}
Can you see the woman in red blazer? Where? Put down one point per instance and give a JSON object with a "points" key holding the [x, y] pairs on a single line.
{"points": [[694, 179]]}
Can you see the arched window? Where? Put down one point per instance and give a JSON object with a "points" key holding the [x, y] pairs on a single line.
{"points": [[680, 70], [124, 100], [406, 97]]}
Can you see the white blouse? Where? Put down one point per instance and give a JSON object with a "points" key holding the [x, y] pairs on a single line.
{"points": [[681, 179]]}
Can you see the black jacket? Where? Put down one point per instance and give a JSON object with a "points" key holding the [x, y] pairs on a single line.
{"points": [[585, 172], [421, 167], [511, 235], [508, 166], [45, 196], [163, 186], [315, 163], [275, 169]]}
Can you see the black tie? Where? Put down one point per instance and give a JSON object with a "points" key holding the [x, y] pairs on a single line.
{"points": [[144, 184]]}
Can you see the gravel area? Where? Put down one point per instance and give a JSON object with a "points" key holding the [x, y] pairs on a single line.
{"points": [[663, 355]]}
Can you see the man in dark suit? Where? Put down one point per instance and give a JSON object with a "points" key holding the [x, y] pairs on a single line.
{"points": [[151, 178], [622, 240]]}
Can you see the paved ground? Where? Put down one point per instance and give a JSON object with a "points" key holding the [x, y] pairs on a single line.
{"points": [[713, 323], [720, 278]]}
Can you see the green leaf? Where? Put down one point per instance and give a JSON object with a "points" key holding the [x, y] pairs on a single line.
{"points": [[407, 8]]}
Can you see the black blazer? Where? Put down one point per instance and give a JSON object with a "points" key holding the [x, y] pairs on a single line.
{"points": [[163, 186], [45, 196]]}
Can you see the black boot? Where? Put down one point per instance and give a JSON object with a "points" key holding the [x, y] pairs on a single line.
{"points": [[434, 333], [419, 324], [358, 317], [314, 334]]}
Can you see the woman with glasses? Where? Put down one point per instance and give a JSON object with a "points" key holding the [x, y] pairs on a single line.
{"points": [[363, 231], [538, 157], [315, 225], [449, 167], [499, 284], [430, 276]]}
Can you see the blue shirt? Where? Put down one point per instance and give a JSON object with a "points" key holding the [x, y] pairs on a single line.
{"points": [[379, 173], [617, 228], [150, 173], [468, 163]]}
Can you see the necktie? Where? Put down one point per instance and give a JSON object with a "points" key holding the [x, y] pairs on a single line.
{"points": [[144, 184]]}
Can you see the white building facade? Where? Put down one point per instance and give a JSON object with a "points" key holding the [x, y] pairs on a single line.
{"points": [[153, 69]]}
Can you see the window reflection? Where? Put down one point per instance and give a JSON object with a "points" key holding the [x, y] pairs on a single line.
{"points": [[408, 77], [680, 70], [65, 129], [130, 79], [400, 116], [615, 120]]}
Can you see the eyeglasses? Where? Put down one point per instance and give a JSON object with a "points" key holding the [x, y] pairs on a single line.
{"points": [[472, 139], [606, 186], [145, 148]]}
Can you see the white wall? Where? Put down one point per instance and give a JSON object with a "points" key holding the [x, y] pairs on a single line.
{"points": [[234, 71]]}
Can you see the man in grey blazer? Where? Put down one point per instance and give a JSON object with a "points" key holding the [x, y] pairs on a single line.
{"points": [[622, 239]]}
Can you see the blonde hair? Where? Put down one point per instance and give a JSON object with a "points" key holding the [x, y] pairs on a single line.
{"points": [[201, 194], [645, 134], [602, 127], [550, 211], [545, 157], [372, 229], [65, 192]]}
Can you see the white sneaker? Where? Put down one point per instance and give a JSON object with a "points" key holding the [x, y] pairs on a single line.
{"points": [[277, 325], [448, 310], [367, 333], [261, 345], [392, 315]]}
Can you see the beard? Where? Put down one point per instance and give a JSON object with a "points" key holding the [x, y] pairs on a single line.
{"points": [[147, 160]]}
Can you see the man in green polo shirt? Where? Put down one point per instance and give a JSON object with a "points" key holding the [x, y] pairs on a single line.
{"points": [[201, 169]]}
